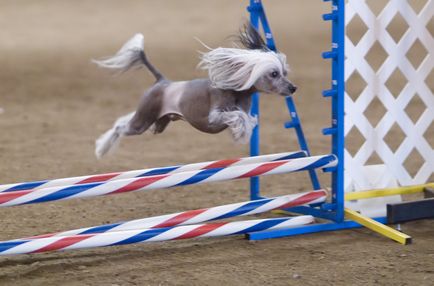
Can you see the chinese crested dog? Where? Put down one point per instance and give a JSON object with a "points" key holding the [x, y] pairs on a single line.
{"points": [[221, 101]]}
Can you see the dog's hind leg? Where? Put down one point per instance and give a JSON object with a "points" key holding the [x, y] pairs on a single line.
{"points": [[160, 125], [134, 123], [110, 138]]}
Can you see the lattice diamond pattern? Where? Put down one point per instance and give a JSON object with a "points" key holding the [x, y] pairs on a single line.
{"points": [[429, 134], [376, 6], [396, 82], [356, 84], [416, 54], [417, 5], [375, 111], [430, 80], [400, 85], [356, 29], [430, 26], [354, 141], [374, 159], [394, 137], [376, 56], [397, 27], [415, 108], [413, 162]]}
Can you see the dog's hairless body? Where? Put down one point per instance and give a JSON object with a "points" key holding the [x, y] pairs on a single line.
{"points": [[211, 104], [191, 100]]}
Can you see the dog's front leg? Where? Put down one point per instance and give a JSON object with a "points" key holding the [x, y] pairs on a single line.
{"points": [[240, 123]]}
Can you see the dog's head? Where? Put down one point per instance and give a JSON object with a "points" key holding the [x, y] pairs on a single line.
{"points": [[274, 78], [255, 67]]}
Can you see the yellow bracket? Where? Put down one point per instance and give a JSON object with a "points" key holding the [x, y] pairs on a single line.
{"points": [[370, 223], [386, 192], [378, 227]]}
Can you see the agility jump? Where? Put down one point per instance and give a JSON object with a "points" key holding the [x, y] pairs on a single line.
{"points": [[189, 224]]}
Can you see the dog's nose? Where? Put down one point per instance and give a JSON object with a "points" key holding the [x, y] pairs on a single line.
{"points": [[292, 89]]}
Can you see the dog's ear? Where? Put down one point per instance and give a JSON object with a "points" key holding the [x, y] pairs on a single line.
{"points": [[250, 38]]}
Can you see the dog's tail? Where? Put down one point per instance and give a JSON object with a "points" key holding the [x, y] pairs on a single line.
{"points": [[110, 139], [131, 55]]}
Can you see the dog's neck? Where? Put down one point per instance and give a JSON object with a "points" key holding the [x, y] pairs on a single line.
{"points": [[246, 92], [240, 93]]}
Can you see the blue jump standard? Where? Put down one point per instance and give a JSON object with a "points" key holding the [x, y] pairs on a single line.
{"points": [[334, 210]]}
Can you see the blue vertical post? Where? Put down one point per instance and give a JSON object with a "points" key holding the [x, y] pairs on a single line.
{"points": [[254, 10], [340, 139], [337, 93]]}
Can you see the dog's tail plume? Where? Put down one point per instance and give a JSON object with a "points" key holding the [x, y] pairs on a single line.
{"points": [[131, 55]]}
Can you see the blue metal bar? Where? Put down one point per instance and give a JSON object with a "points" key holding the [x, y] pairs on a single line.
{"points": [[295, 123], [329, 55], [329, 169], [338, 138], [329, 131], [269, 39], [330, 16], [329, 92], [254, 10], [309, 210], [307, 229], [337, 56]]}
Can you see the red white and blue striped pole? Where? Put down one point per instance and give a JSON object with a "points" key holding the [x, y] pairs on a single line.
{"points": [[204, 215], [164, 181], [81, 241], [149, 172]]}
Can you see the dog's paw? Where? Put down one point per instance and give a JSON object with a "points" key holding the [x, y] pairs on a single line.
{"points": [[253, 120], [243, 127], [106, 143]]}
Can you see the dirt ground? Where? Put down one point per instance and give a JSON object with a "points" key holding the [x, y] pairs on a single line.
{"points": [[55, 103]]}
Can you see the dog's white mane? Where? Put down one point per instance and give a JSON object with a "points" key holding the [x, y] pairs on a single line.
{"points": [[239, 69]]}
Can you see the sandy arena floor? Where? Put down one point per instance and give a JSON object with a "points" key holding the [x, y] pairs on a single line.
{"points": [[56, 102]]}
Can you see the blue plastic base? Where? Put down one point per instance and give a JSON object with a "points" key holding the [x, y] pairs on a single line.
{"points": [[307, 229], [308, 210]]}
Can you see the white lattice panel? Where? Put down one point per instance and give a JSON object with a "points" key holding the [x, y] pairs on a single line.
{"points": [[392, 64]]}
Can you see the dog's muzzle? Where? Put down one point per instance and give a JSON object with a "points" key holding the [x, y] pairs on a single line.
{"points": [[292, 89]]}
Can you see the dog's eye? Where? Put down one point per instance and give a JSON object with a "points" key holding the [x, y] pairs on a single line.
{"points": [[274, 74]]}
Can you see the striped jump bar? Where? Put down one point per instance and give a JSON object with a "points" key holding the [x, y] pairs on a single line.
{"points": [[164, 180], [203, 215], [149, 172], [81, 241]]}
